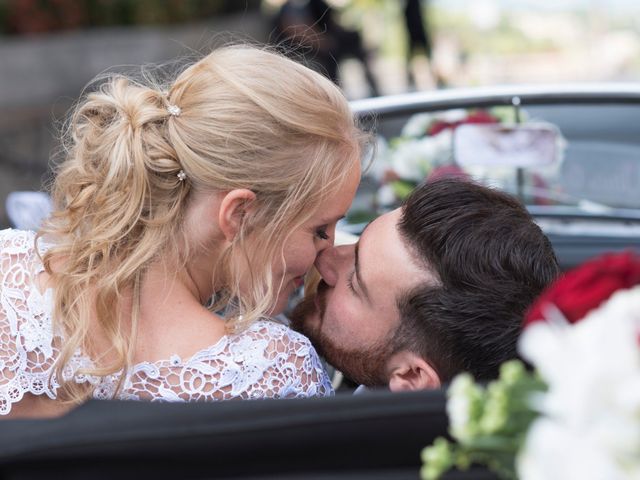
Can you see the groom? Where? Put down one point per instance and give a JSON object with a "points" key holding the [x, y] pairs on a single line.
{"points": [[431, 289]]}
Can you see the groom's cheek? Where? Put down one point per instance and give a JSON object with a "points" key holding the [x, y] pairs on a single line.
{"points": [[300, 316]]}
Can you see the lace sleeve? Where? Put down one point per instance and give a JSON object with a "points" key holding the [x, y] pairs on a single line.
{"points": [[267, 361], [296, 370], [26, 340]]}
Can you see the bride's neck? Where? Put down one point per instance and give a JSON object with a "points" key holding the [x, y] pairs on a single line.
{"points": [[168, 278], [172, 319]]}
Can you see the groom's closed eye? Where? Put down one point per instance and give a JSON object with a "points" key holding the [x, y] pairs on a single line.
{"points": [[356, 272], [350, 282]]}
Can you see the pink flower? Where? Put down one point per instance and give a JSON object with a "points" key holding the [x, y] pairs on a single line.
{"points": [[479, 116]]}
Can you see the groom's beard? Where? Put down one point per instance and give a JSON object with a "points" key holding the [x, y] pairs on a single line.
{"points": [[366, 365]]}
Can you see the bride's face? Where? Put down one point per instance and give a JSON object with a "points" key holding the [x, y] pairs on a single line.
{"points": [[304, 244]]}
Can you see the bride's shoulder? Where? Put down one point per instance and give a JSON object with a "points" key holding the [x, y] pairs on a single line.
{"points": [[286, 356], [20, 251], [275, 342], [276, 331], [28, 353], [22, 244], [17, 241], [17, 252]]}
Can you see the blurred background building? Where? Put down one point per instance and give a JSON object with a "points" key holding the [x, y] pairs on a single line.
{"points": [[50, 49]]}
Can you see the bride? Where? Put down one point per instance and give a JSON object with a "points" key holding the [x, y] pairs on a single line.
{"points": [[185, 215]]}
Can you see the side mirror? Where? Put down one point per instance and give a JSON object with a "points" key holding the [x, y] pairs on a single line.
{"points": [[518, 145]]}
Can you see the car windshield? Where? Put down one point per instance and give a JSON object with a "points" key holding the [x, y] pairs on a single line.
{"points": [[562, 159]]}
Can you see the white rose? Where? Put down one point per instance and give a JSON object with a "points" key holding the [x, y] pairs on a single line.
{"points": [[417, 125], [385, 196], [554, 452], [592, 406], [462, 393]]}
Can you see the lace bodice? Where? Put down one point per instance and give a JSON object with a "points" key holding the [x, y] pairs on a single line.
{"points": [[266, 360]]}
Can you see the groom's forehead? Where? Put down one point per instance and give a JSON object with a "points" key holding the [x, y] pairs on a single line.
{"points": [[385, 261]]}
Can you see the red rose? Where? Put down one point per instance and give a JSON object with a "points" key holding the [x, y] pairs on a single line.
{"points": [[584, 288], [478, 116], [438, 126]]}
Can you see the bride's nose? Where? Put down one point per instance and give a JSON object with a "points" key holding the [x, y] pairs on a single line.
{"points": [[331, 262]]}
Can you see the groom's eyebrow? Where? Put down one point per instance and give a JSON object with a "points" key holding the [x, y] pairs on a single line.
{"points": [[361, 283]]}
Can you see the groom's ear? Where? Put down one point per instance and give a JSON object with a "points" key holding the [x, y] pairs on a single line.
{"points": [[233, 208], [409, 371]]}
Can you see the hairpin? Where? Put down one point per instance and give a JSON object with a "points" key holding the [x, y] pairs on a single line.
{"points": [[174, 110], [181, 175]]}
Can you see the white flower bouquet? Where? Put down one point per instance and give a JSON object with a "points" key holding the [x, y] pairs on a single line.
{"points": [[578, 414]]}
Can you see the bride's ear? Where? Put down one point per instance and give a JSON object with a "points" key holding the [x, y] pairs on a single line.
{"points": [[233, 208], [409, 371]]}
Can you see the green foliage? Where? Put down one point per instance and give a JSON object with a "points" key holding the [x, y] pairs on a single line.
{"points": [[489, 423], [361, 216], [402, 188]]}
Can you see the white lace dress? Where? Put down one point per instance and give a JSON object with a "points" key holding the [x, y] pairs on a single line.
{"points": [[266, 360]]}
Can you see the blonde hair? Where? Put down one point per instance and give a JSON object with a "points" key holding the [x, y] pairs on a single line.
{"points": [[248, 118]]}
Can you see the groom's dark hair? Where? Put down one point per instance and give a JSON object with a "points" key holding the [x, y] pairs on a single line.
{"points": [[491, 261]]}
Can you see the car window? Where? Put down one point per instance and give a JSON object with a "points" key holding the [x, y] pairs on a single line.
{"points": [[596, 172]]}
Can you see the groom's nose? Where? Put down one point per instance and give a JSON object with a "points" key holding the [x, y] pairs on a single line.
{"points": [[330, 263]]}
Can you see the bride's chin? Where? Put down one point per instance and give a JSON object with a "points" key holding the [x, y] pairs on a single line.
{"points": [[282, 301], [285, 293]]}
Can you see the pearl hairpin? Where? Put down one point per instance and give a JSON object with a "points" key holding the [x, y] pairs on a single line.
{"points": [[174, 110]]}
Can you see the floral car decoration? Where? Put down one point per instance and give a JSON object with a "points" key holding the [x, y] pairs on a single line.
{"points": [[578, 414], [424, 152]]}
